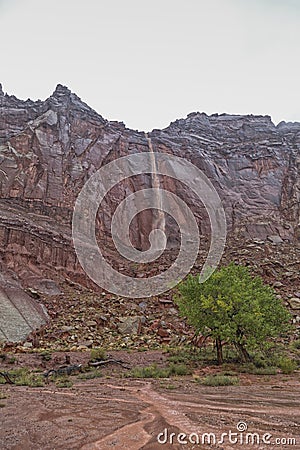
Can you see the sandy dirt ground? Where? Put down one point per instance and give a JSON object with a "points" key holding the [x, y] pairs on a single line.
{"points": [[114, 412]]}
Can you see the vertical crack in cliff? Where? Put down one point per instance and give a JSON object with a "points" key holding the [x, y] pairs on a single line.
{"points": [[158, 217]]}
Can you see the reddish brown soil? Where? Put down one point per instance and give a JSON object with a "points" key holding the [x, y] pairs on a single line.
{"points": [[114, 412]]}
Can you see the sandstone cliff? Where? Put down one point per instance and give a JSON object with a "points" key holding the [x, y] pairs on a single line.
{"points": [[48, 149]]}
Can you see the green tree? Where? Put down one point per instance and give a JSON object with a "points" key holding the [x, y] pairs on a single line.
{"points": [[234, 307]]}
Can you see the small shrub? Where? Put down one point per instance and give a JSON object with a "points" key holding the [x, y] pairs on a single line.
{"points": [[156, 372], [219, 380], [63, 382], [246, 368], [90, 375], [254, 370], [286, 365], [12, 360], [98, 354], [296, 344], [46, 355], [191, 356], [25, 378], [228, 373], [149, 372], [265, 371], [179, 369], [259, 361], [142, 349]]}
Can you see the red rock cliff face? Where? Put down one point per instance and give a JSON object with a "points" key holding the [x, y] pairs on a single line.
{"points": [[48, 149]]}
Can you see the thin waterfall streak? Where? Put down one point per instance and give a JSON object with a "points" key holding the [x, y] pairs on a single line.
{"points": [[159, 221]]}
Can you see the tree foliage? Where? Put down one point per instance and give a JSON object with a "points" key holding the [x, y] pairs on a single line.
{"points": [[234, 307]]}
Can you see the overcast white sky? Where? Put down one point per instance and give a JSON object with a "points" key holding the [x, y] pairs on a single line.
{"points": [[149, 62]]}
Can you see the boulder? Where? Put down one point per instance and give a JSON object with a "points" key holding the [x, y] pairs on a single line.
{"points": [[130, 325], [20, 314], [275, 239], [294, 302]]}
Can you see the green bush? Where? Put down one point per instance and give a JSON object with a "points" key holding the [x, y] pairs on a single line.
{"points": [[246, 368], [219, 380], [194, 356], [149, 372], [23, 377], [98, 354], [254, 370], [296, 344], [287, 365], [46, 355], [63, 382], [157, 372], [259, 361], [228, 373], [12, 360], [179, 369]]}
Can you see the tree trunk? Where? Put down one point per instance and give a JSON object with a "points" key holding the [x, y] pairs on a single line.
{"points": [[219, 350], [245, 357]]}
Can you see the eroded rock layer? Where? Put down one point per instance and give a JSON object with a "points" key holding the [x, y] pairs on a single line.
{"points": [[49, 149]]}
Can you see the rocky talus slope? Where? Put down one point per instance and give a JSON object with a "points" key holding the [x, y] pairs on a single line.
{"points": [[49, 149]]}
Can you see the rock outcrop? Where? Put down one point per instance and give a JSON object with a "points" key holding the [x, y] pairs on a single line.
{"points": [[48, 149], [20, 314]]}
